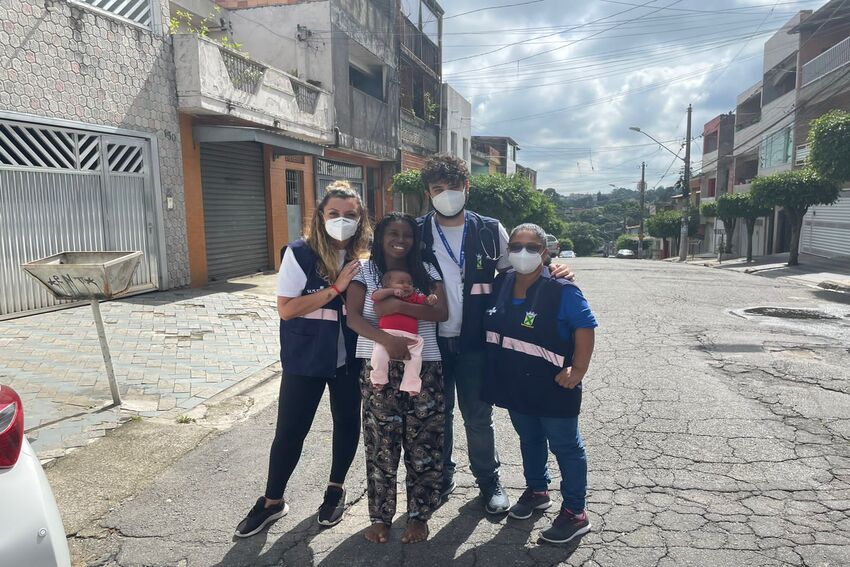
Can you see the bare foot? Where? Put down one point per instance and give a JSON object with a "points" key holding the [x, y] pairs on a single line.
{"points": [[377, 533], [416, 531]]}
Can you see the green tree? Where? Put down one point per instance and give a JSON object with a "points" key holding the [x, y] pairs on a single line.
{"points": [[409, 184], [744, 207], [829, 145], [566, 243], [794, 191], [631, 242], [666, 224], [513, 201], [708, 210], [727, 212], [584, 236]]}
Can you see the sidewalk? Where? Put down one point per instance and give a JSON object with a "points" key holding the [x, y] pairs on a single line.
{"points": [[171, 351], [813, 270]]}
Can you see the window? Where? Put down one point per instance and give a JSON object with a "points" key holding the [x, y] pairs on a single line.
{"points": [[294, 183], [710, 143], [369, 81], [513, 153], [466, 149], [776, 148], [454, 144], [136, 11], [712, 187]]}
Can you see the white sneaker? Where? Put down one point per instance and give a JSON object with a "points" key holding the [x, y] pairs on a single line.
{"points": [[498, 502]]}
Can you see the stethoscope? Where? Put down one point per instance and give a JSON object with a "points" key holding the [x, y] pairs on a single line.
{"points": [[482, 227]]}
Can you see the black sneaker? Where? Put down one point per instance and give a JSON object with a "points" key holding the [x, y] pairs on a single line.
{"points": [[333, 506], [447, 488], [259, 517], [528, 503], [566, 527], [495, 499]]}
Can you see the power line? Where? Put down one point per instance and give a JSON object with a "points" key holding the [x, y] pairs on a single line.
{"points": [[492, 8]]}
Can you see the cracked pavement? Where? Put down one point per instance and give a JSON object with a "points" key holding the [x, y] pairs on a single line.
{"points": [[714, 438]]}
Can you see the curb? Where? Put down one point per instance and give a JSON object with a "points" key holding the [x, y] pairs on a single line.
{"points": [[832, 285]]}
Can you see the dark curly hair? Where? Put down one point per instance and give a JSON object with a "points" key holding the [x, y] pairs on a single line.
{"points": [[444, 167]]}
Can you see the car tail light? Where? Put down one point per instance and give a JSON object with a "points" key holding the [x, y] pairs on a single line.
{"points": [[11, 427]]}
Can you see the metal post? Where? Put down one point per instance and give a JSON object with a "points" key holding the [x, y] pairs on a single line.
{"points": [[686, 194], [104, 348], [642, 197]]}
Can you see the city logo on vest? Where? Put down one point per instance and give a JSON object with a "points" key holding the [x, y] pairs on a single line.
{"points": [[479, 262], [492, 311], [530, 316]]}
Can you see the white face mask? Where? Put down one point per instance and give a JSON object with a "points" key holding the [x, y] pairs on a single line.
{"points": [[341, 228], [450, 202], [525, 262]]}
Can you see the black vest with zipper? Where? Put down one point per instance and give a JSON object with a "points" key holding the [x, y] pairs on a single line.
{"points": [[309, 344], [525, 350], [482, 255]]}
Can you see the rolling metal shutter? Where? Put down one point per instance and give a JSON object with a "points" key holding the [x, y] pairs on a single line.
{"points": [[234, 192], [826, 229]]}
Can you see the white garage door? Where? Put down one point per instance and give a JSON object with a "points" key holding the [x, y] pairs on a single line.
{"points": [[826, 229]]}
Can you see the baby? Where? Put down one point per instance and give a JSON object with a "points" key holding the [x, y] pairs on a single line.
{"points": [[397, 283]]}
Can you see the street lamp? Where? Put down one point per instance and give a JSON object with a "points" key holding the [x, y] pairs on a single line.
{"points": [[686, 188]]}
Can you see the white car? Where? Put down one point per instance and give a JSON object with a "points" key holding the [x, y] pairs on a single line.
{"points": [[31, 530], [567, 254]]}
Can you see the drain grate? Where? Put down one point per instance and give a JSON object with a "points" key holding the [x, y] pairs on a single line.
{"points": [[788, 313]]}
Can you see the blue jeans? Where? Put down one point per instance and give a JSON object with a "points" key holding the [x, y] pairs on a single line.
{"points": [[538, 435], [466, 372]]}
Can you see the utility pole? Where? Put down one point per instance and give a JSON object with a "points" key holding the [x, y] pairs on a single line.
{"points": [[642, 190], [686, 194]]}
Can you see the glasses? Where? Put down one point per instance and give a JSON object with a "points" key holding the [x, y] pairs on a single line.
{"points": [[532, 247]]}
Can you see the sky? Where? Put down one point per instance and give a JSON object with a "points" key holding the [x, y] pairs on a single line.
{"points": [[566, 79]]}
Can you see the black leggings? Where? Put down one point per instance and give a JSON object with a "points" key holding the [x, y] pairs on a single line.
{"points": [[299, 400]]}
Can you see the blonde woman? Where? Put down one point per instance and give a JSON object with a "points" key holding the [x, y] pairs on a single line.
{"points": [[317, 350]]}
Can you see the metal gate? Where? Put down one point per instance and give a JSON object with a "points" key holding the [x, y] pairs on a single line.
{"points": [[233, 181], [329, 171], [294, 201], [67, 189]]}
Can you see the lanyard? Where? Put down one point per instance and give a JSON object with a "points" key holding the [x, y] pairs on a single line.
{"points": [[458, 261]]}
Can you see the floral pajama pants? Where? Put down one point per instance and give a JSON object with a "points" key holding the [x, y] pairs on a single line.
{"points": [[394, 420]]}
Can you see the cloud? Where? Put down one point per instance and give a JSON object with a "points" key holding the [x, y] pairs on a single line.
{"points": [[566, 79]]}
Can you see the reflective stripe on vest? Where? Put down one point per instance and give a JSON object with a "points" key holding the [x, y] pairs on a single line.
{"points": [[530, 349], [493, 337], [322, 315], [481, 289]]}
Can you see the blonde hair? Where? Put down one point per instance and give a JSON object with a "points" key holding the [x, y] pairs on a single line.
{"points": [[322, 244]]}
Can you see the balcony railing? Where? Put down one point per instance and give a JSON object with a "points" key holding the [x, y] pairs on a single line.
{"points": [[802, 155], [421, 46], [418, 133], [214, 80], [833, 58]]}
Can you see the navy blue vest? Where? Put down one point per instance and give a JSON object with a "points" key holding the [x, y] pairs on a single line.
{"points": [[525, 350], [482, 254], [309, 344]]}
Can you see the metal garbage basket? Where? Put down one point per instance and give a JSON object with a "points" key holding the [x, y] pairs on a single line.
{"points": [[88, 275]]}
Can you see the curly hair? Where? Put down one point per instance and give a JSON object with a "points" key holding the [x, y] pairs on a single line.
{"points": [[444, 167]]}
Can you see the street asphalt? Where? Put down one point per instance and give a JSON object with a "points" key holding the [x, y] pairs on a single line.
{"points": [[715, 436]]}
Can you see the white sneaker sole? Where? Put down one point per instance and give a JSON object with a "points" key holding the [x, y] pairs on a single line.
{"points": [[544, 506], [328, 523], [580, 532], [266, 522]]}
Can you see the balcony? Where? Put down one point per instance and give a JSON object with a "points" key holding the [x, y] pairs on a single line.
{"points": [[213, 80], [420, 46], [833, 58], [419, 134]]}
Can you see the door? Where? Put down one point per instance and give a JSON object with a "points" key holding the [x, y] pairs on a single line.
{"points": [[64, 189], [329, 171], [233, 185], [294, 201]]}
